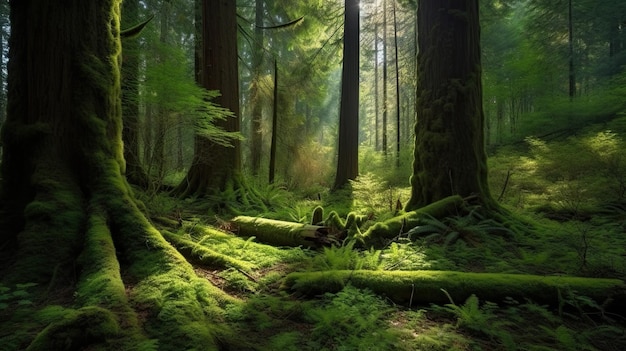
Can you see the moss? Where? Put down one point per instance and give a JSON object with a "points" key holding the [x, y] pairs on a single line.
{"points": [[205, 256], [280, 233], [333, 220], [400, 224], [318, 215], [425, 286], [90, 327]]}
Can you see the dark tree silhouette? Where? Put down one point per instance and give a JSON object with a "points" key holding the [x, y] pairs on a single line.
{"points": [[348, 160]]}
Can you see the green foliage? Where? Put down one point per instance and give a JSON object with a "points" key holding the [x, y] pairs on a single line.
{"points": [[472, 228], [346, 257], [16, 296], [351, 319], [476, 318], [552, 178], [404, 255], [373, 196]]}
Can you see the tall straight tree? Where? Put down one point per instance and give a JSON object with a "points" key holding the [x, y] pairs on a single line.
{"points": [[348, 154], [449, 156], [256, 149], [68, 218], [570, 44], [384, 87], [130, 97], [215, 166], [398, 109]]}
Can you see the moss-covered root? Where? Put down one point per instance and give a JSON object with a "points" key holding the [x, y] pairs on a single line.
{"points": [[318, 216], [203, 255], [87, 328], [182, 311], [420, 287], [399, 224], [283, 233]]}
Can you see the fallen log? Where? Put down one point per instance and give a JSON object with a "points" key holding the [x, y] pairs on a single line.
{"points": [[282, 233], [423, 287]]}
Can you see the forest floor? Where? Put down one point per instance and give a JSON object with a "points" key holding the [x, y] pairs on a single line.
{"points": [[575, 209], [274, 318]]}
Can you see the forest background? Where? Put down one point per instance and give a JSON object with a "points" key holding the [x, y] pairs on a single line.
{"points": [[553, 88]]}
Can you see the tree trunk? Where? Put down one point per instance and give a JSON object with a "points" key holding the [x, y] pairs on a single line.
{"points": [[272, 166], [68, 219], [215, 167], [384, 87], [449, 156], [348, 158], [130, 97], [570, 40], [376, 100], [395, 41], [256, 135]]}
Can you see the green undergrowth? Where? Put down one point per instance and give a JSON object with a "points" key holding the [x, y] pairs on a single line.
{"points": [[239, 287]]}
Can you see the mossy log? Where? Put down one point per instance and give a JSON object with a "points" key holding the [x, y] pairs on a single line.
{"points": [[283, 233], [422, 287], [395, 226]]}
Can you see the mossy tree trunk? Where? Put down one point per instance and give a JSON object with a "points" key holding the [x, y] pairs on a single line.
{"points": [[449, 156], [348, 159], [68, 220], [216, 167]]}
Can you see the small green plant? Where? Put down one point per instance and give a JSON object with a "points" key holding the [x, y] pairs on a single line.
{"points": [[16, 296], [480, 320], [346, 257], [404, 255], [470, 228], [351, 319]]}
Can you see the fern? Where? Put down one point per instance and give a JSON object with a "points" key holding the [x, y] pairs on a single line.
{"points": [[481, 320], [346, 257]]}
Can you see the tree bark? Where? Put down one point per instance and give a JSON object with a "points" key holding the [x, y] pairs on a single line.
{"points": [[215, 167], [449, 156], [274, 139], [68, 218], [385, 102], [348, 158], [395, 46], [130, 97], [256, 134]]}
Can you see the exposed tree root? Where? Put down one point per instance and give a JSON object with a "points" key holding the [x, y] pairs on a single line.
{"points": [[203, 255]]}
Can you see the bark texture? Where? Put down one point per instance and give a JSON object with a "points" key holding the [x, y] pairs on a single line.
{"points": [[130, 97], [449, 156], [348, 160], [69, 223], [216, 167]]}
